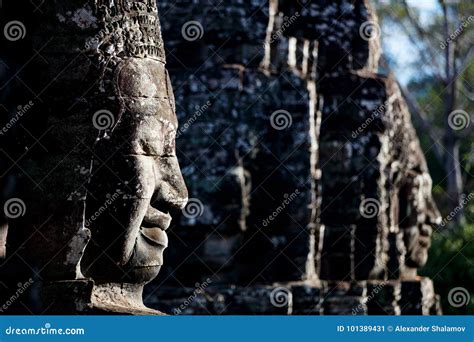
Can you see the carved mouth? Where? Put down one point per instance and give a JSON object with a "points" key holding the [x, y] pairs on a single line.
{"points": [[156, 219], [155, 236], [154, 225]]}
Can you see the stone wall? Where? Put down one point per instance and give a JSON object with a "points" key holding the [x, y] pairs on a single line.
{"points": [[339, 248]]}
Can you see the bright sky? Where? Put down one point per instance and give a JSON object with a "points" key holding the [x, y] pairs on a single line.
{"points": [[398, 46]]}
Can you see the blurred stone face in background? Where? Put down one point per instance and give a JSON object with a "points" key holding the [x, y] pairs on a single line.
{"points": [[418, 214]]}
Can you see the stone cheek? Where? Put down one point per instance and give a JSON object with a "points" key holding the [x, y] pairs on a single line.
{"points": [[143, 77]]}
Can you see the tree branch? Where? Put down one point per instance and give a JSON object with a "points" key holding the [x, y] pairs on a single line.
{"points": [[425, 123], [467, 59], [423, 35]]}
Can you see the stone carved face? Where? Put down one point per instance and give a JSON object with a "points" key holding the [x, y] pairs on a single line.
{"points": [[418, 214], [136, 180]]}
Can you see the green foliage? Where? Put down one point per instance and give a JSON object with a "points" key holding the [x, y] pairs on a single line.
{"points": [[451, 265]]}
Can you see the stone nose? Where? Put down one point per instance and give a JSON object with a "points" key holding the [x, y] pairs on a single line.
{"points": [[171, 193]]}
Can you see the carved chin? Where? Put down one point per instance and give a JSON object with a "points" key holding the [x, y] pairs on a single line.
{"points": [[149, 248], [417, 248], [418, 258], [143, 275], [147, 257]]}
